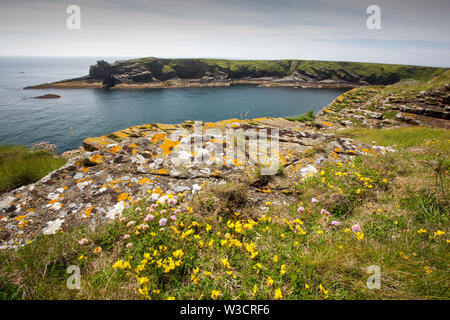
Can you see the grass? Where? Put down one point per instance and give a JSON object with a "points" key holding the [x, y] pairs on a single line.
{"points": [[20, 166], [219, 248], [402, 137], [373, 72], [308, 116]]}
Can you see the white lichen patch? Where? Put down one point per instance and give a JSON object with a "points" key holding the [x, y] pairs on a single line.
{"points": [[53, 226]]}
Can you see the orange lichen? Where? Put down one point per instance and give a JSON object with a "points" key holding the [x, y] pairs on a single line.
{"points": [[166, 126], [115, 149], [144, 180], [158, 136], [88, 212], [96, 158], [168, 145], [124, 196], [20, 218]]}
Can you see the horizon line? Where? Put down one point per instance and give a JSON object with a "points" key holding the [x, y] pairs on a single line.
{"points": [[215, 58]]}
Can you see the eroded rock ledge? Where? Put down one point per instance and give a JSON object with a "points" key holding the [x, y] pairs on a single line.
{"points": [[96, 186]]}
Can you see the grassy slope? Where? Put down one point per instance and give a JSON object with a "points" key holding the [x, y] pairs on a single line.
{"points": [[391, 197], [311, 67], [20, 166]]}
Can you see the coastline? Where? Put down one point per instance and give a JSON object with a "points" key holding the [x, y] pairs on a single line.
{"points": [[89, 84]]}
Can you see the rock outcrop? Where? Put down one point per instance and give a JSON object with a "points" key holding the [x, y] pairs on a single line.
{"points": [[48, 96], [380, 107], [147, 161], [162, 73]]}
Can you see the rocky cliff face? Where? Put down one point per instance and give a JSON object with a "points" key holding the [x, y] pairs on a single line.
{"points": [[156, 72]]}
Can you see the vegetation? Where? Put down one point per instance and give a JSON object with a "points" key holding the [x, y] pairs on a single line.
{"points": [[385, 210], [308, 116], [351, 71], [20, 166], [401, 137]]}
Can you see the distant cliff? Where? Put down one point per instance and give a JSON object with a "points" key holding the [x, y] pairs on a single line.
{"points": [[157, 72]]}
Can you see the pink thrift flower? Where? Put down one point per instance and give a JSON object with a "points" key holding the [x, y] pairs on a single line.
{"points": [[324, 212], [149, 217], [314, 200], [300, 209], [123, 220], [144, 227], [162, 222], [149, 210], [131, 223], [154, 206], [126, 236], [138, 209], [164, 211], [177, 211], [172, 202], [173, 218], [129, 245], [334, 223], [356, 228], [83, 241]]}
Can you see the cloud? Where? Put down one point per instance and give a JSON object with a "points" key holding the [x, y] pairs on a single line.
{"points": [[412, 31]]}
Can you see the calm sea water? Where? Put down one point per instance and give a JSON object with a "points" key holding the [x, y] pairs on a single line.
{"points": [[81, 113]]}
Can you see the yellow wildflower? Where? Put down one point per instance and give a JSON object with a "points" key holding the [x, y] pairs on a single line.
{"points": [[215, 294], [278, 294]]}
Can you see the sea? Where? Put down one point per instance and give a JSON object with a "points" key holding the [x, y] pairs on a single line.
{"points": [[82, 113]]}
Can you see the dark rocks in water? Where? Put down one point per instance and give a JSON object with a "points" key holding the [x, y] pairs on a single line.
{"points": [[48, 96]]}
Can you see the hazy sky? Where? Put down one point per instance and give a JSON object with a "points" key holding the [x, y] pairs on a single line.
{"points": [[412, 31]]}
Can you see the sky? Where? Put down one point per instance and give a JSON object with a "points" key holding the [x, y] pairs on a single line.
{"points": [[412, 31]]}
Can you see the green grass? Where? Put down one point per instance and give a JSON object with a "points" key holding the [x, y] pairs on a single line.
{"points": [[195, 68], [402, 137], [211, 247], [20, 166], [308, 116]]}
